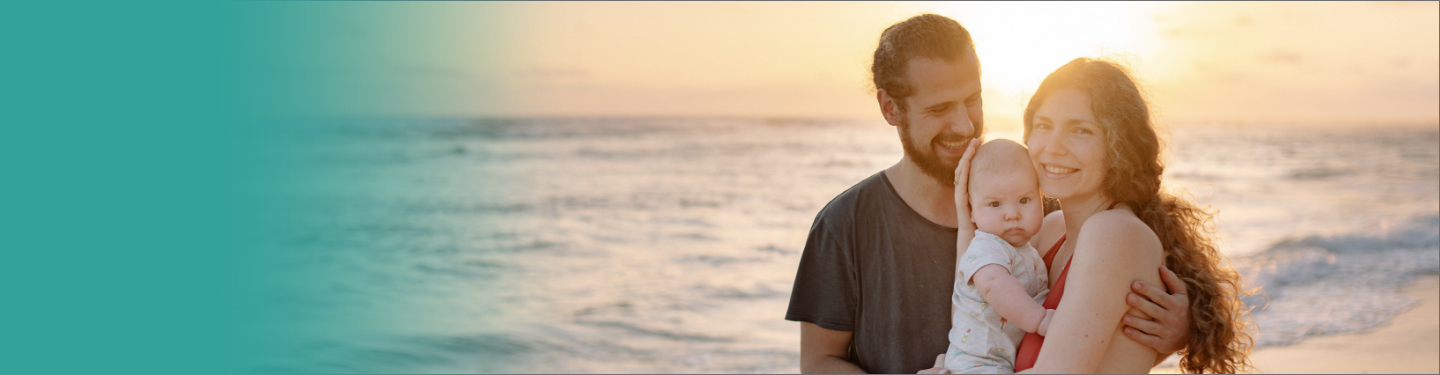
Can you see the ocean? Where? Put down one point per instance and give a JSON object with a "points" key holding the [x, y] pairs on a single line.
{"points": [[670, 245]]}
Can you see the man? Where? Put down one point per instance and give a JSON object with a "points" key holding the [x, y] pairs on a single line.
{"points": [[873, 290]]}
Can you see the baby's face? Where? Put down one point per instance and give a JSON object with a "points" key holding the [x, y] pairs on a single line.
{"points": [[1007, 204]]}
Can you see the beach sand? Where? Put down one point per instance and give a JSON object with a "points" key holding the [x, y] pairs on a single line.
{"points": [[1409, 344]]}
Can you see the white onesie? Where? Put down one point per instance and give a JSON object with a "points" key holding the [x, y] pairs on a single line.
{"points": [[982, 342]]}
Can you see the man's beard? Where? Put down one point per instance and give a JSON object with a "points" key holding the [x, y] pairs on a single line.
{"points": [[929, 162]]}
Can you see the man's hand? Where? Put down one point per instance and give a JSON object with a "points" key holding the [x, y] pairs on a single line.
{"points": [[1167, 326], [939, 367], [962, 187]]}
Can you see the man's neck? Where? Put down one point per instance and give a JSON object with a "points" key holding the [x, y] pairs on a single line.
{"points": [[931, 199]]}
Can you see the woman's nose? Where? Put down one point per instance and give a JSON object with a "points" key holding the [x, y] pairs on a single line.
{"points": [[1057, 145]]}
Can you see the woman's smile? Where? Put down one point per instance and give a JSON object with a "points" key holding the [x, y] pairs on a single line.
{"points": [[1055, 171]]}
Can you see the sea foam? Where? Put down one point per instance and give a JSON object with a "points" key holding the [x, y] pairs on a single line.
{"points": [[1319, 285]]}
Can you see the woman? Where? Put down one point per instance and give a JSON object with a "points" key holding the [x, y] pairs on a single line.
{"points": [[1093, 146]]}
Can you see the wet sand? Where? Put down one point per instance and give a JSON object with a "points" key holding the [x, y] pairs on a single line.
{"points": [[1409, 344]]}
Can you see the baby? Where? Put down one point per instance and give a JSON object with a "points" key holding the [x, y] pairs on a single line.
{"points": [[999, 278]]}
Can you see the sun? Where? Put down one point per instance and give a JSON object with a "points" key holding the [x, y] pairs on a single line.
{"points": [[1019, 43]]}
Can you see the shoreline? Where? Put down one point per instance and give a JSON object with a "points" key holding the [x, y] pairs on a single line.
{"points": [[1410, 343]]}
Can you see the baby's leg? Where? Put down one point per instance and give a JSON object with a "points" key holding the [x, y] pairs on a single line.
{"points": [[960, 363]]}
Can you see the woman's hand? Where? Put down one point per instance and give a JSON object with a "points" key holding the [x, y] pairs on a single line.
{"points": [[939, 367], [1167, 329], [962, 187]]}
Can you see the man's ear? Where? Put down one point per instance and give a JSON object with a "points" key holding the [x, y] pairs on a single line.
{"points": [[889, 108]]}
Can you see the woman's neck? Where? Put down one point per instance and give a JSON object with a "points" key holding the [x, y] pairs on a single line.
{"points": [[1078, 209]]}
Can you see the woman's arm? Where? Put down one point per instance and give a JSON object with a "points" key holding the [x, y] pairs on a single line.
{"points": [[1113, 250]]}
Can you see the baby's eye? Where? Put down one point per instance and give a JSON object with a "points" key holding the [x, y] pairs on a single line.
{"points": [[994, 204], [1024, 200]]}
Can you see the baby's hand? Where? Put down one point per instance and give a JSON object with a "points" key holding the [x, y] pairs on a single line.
{"points": [[1045, 322]]}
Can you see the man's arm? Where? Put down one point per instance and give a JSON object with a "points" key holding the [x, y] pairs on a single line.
{"points": [[966, 232], [824, 351], [1158, 319]]}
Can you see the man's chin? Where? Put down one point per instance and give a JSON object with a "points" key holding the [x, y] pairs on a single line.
{"points": [[944, 176]]}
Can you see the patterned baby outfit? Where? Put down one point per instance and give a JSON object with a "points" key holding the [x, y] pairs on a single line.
{"points": [[981, 341]]}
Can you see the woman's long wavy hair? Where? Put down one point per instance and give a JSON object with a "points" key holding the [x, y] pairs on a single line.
{"points": [[1221, 332]]}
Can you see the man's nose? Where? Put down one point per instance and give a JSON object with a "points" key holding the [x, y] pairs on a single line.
{"points": [[959, 122]]}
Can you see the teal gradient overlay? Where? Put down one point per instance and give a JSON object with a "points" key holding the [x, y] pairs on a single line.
{"points": [[386, 59], [164, 181], [329, 85], [123, 189]]}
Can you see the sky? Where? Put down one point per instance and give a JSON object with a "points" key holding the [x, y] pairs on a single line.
{"points": [[1199, 62]]}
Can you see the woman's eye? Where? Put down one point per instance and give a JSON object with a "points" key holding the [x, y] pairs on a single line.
{"points": [[1083, 131]]}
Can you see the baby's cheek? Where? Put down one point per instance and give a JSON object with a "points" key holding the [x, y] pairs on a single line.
{"points": [[1033, 220]]}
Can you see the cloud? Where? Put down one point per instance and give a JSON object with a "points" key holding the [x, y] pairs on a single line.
{"points": [[1280, 56]]}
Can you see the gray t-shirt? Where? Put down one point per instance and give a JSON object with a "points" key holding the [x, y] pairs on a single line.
{"points": [[875, 267]]}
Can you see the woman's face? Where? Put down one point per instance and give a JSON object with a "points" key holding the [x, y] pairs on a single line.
{"points": [[1067, 146]]}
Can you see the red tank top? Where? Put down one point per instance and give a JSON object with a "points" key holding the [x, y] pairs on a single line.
{"points": [[1029, 350]]}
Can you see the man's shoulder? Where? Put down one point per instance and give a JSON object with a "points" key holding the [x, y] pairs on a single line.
{"points": [[846, 206]]}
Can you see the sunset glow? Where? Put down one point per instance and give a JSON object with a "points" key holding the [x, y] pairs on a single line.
{"points": [[1020, 43], [1202, 62]]}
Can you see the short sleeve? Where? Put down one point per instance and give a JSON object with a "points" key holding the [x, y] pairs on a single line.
{"points": [[985, 249], [826, 284]]}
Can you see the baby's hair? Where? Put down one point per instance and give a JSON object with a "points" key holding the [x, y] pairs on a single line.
{"points": [[999, 157]]}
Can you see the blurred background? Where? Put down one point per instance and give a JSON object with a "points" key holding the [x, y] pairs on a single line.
{"points": [[626, 187]]}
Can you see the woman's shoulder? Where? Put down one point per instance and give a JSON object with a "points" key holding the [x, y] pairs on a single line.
{"points": [[1118, 230], [1050, 231]]}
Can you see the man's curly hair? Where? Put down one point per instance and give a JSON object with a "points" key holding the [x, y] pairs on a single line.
{"points": [[926, 35]]}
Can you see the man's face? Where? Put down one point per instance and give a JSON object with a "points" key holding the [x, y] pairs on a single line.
{"points": [[942, 115]]}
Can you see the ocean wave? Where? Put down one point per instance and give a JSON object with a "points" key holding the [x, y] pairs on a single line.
{"points": [[668, 334], [1317, 173], [1320, 285], [719, 260]]}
